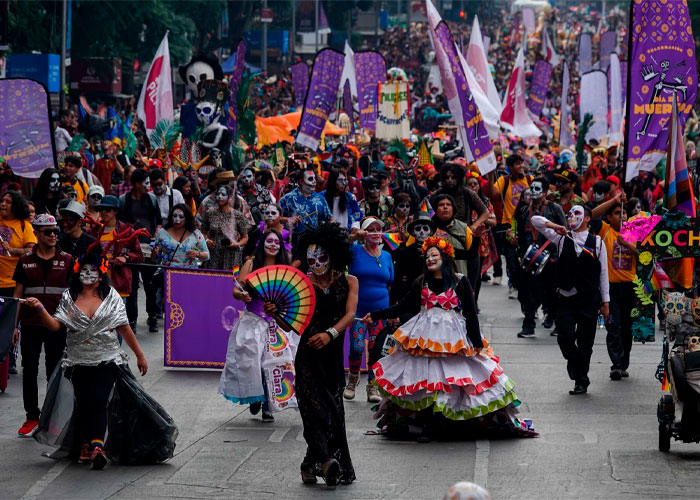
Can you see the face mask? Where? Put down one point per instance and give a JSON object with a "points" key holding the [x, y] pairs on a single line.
{"points": [[272, 244], [421, 232], [433, 259], [317, 259], [221, 195], [575, 217], [55, 183], [88, 275], [309, 183], [178, 217], [536, 190], [248, 178], [270, 214], [403, 209]]}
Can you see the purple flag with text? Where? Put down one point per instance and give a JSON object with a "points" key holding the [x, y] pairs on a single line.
{"points": [[300, 80], [235, 81], [370, 70], [539, 86], [476, 135], [585, 53], [26, 141], [608, 40], [662, 66], [320, 97]]}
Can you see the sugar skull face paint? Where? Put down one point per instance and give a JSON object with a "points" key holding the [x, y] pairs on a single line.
{"points": [[536, 190], [270, 213], [308, 183], [433, 259], [54, 183], [178, 217], [575, 217], [318, 260], [88, 274], [248, 177], [221, 196], [421, 232], [403, 208], [272, 244]]}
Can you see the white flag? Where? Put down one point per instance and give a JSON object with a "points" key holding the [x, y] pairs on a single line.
{"points": [[479, 65], [156, 101], [548, 52], [348, 71], [515, 116], [615, 82]]}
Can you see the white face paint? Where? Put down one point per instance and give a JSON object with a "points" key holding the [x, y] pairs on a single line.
{"points": [[317, 259], [536, 190], [421, 232], [341, 183], [635, 210], [433, 259], [88, 274], [374, 234], [178, 217], [207, 112], [403, 208], [270, 213], [248, 177], [308, 182], [575, 217], [198, 72], [598, 197], [54, 183], [272, 245], [221, 195], [147, 184]]}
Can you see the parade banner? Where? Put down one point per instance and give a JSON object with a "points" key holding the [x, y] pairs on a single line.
{"points": [[565, 138], [468, 118], [623, 80], [594, 101], [235, 81], [514, 117], [615, 97], [26, 140], [539, 86], [393, 120], [370, 70], [661, 64], [156, 100], [347, 105], [479, 66], [320, 97], [529, 20], [585, 53], [300, 80], [548, 53], [608, 41], [349, 70], [199, 315]]}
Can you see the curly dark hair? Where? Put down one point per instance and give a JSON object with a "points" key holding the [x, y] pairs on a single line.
{"points": [[331, 237], [18, 207]]}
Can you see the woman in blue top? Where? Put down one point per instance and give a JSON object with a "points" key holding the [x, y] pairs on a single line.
{"points": [[343, 204], [374, 271]]}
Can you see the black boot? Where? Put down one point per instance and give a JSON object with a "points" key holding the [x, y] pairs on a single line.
{"points": [[153, 324]]}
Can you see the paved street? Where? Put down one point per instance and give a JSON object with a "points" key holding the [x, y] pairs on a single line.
{"points": [[602, 445]]}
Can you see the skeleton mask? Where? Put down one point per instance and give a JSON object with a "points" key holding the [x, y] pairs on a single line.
{"points": [[54, 183], [433, 259], [674, 307], [309, 182], [536, 190], [598, 197], [575, 217], [178, 217], [198, 72], [270, 213], [272, 244], [248, 177], [88, 275], [318, 260], [207, 112], [695, 308], [421, 232], [215, 156], [693, 344], [221, 195]]}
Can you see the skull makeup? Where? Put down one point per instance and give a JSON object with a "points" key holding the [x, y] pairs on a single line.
{"points": [[88, 274], [207, 112], [147, 184], [695, 309], [635, 210], [433, 259], [178, 217], [198, 72], [221, 195], [54, 182], [247, 177], [272, 244], [526, 196], [403, 208], [270, 213], [575, 217], [318, 260], [674, 307], [598, 197], [341, 183], [215, 157], [308, 184], [421, 232], [536, 190], [693, 344]]}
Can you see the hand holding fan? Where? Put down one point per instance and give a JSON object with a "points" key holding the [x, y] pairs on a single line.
{"points": [[291, 292]]}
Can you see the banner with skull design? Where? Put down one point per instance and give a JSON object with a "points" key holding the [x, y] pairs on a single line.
{"points": [[661, 64], [26, 141]]}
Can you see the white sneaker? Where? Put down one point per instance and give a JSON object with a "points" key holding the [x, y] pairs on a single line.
{"points": [[497, 280], [512, 293]]}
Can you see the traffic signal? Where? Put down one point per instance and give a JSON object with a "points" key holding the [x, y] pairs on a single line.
{"points": [[462, 14]]}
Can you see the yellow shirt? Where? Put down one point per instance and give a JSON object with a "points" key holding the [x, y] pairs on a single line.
{"points": [[512, 196], [622, 262], [11, 230], [80, 188]]}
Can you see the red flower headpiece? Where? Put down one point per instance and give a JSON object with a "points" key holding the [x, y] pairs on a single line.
{"points": [[440, 243]]}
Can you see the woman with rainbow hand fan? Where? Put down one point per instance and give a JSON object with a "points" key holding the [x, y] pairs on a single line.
{"points": [[442, 377]]}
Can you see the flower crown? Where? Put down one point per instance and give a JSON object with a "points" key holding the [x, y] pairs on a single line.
{"points": [[103, 265], [440, 243]]}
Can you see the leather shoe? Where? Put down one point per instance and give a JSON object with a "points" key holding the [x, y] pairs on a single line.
{"points": [[578, 389]]}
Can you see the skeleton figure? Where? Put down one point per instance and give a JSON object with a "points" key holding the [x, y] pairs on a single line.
{"points": [[536, 190], [213, 95], [693, 344], [674, 307], [695, 309], [648, 73]]}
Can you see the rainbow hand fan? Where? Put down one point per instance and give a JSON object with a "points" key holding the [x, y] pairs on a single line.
{"points": [[290, 290]]}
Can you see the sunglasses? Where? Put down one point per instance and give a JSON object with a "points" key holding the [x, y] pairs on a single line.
{"points": [[49, 232], [95, 196]]}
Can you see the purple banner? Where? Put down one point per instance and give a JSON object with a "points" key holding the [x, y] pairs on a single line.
{"points": [[565, 138], [300, 80], [477, 137], [370, 70], [26, 141], [199, 315], [347, 104], [320, 97], [235, 81], [662, 64], [608, 40], [585, 53], [539, 86]]}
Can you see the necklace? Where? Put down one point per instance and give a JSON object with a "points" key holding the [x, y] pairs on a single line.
{"points": [[376, 257], [324, 286]]}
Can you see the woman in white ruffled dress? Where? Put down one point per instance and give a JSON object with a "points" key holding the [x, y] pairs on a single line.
{"points": [[442, 379]]}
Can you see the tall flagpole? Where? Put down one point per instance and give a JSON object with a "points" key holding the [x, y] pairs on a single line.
{"points": [[64, 29]]}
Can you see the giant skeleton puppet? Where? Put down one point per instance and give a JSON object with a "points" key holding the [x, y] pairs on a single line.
{"points": [[212, 96], [201, 67]]}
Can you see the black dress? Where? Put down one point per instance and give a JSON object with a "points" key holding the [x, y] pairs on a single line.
{"points": [[320, 381]]}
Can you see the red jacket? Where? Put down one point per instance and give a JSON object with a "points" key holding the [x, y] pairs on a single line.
{"points": [[127, 247]]}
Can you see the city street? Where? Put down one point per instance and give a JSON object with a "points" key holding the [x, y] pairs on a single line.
{"points": [[601, 445]]}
